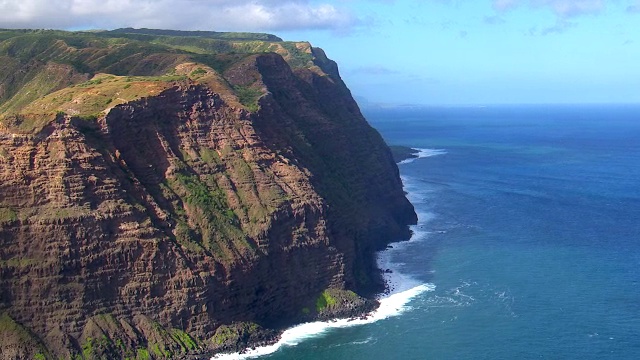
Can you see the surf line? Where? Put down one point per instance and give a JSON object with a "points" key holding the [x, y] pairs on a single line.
{"points": [[422, 153], [391, 305], [402, 289]]}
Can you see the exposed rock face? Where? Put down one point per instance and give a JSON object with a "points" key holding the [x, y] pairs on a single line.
{"points": [[146, 229]]}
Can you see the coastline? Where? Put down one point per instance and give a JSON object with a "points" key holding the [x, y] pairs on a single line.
{"points": [[402, 153], [405, 154], [390, 303], [399, 290]]}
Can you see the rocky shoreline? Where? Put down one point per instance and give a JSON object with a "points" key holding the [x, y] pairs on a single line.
{"points": [[331, 305], [182, 204], [401, 153], [239, 338]]}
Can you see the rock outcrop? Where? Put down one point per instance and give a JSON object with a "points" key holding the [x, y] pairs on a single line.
{"points": [[218, 202]]}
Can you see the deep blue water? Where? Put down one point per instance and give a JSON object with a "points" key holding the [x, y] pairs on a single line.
{"points": [[529, 231]]}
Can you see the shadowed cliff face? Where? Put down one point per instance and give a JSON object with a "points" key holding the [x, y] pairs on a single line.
{"points": [[151, 225]]}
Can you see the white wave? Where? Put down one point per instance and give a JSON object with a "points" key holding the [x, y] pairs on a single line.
{"points": [[366, 341], [391, 305], [402, 289], [422, 153], [421, 195]]}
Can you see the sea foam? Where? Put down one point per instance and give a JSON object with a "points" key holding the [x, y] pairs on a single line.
{"points": [[402, 288], [391, 305], [422, 153]]}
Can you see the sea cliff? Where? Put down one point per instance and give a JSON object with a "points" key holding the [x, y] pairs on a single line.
{"points": [[165, 194]]}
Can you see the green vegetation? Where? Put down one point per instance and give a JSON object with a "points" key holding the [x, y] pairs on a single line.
{"points": [[215, 222], [218, 62], [231, 334], [187, 237], [7, 215], [13, 333], [142, 354], [155, 348], [198, 71], [186, 342], [254, 206], [48, 72], [120, 345], [77, 78], [223, 334], [18, 262], [88, 348], [97, 348], [248, 96], [211, 201], [58, 59], [88, 117], [88, 100], [163, 343], [297, 57], [325, 300], [197, 34], [209, 156], [255, 47], [350, 294], [53, 212]]}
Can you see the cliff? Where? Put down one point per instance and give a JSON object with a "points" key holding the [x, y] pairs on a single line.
{"points": [[164, 195]]}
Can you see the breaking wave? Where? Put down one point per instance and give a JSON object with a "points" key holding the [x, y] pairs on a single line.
{"points": [[402, 288], [393, 304], [422, 153]]}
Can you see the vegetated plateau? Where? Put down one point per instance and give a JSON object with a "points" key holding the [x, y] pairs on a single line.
{"points": [[166, 194]]}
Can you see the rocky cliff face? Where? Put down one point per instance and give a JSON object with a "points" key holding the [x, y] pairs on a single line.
{"points": [[218, 203]]}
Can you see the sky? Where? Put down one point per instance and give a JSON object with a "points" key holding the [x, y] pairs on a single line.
{"points": [[413, 52]]}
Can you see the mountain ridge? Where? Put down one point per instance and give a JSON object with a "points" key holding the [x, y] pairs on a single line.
{"points": [[157, 202]]}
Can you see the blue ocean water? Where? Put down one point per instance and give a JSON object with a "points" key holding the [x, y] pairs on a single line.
{"points": [[528, 243]]}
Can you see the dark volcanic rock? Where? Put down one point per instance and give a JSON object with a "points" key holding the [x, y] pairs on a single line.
{"points": [[401, 153]]}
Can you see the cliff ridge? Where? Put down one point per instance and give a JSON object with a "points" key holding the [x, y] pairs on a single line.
{"points": [[165, 195]]}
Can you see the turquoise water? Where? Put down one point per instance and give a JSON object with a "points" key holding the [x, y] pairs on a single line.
{"points": [[528, 244]]}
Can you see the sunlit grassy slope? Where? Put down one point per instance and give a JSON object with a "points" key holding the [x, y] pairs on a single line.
{"points": [[47, 72]]}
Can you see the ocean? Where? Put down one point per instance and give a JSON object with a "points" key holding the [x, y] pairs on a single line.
{"points": [[527, 246]]}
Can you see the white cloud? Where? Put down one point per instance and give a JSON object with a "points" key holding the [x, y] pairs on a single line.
{"points": [[562, 8], [218, 15]]}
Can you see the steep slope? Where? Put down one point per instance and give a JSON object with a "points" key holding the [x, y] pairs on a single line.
{"points": [[178, 202]]}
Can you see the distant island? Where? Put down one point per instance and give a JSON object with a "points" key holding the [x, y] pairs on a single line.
{"points": [[167, 194]]}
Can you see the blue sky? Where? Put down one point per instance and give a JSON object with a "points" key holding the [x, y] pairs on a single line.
{"points": [[474, 52], [430, 52]]}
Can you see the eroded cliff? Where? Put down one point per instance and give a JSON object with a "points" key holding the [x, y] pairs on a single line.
{"points": [[176, 208]]}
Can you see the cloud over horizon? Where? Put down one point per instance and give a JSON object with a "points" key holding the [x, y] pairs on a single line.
{"points": [[216, 15]]}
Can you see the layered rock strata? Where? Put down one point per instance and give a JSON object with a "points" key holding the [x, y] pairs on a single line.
{"points": [[154, 227]]}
